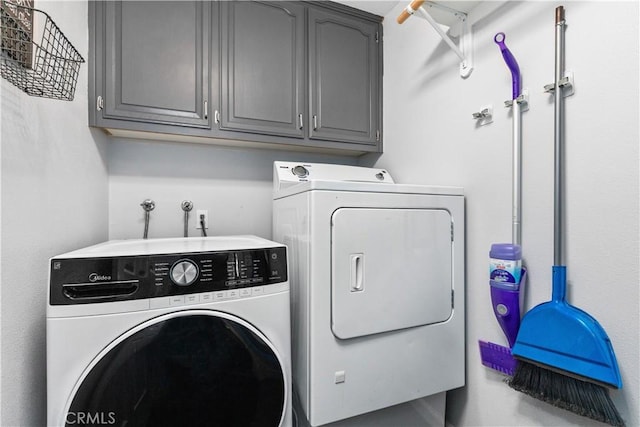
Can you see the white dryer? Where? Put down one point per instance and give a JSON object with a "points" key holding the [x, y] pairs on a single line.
{"points": [[170, 332], [377, 287]]}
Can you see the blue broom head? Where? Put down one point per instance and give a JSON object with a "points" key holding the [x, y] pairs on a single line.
{"points": [[564, 338]]}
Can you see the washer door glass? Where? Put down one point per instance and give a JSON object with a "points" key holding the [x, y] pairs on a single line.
{"points": [[184, 369]]}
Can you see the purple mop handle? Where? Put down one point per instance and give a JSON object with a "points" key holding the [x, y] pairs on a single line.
{"points": [[511, 63]]}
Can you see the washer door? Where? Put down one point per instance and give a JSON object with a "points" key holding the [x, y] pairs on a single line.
{"points": [[189, 368]]}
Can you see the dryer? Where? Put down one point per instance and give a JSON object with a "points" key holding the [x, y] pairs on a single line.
{"points": [[170, 332], [377, 287]]}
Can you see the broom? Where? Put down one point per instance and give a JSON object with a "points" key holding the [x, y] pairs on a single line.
{"points": [[565, 357]]}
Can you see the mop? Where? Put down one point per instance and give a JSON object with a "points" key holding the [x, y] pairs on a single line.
{"points": [[507, 278]]}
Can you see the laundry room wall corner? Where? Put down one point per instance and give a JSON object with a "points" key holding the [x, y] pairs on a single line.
{"points": [[53, 199], [431, 138]]}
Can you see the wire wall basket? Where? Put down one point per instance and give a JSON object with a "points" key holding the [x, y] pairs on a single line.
{"points": [[49, 69]]}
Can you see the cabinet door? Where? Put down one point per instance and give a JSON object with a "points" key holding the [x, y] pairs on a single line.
{"points": [[344, 77], [263, 67], [157, 62]]}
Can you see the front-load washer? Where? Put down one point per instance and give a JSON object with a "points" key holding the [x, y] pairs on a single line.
{"points": [[377, 287], [170, 332]]}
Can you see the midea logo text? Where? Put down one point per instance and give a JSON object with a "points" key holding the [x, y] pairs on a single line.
{"points": [[95, 277]]}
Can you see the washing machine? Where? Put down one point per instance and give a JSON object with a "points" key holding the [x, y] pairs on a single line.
{"points": [[377, 287], [170, 332]]}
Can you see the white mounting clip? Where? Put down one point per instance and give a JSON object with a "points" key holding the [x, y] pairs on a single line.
{"points": [[484, 116], [566, 83], [522, 100]]}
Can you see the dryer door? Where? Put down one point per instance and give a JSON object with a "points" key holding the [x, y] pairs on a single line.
{"points": [[189, 368], [391, 269]]}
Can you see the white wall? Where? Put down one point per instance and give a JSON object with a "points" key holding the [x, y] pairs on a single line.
{"points": [[430, 137], [233, 185], [54, 199]]}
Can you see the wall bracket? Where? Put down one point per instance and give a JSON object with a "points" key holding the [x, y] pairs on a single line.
{"points": [[464, 51], [565, 82], [522, 100], [484, 116]]}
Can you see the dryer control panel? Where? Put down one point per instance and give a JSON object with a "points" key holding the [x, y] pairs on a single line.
{"points": [[122, 278], [286, 174]]}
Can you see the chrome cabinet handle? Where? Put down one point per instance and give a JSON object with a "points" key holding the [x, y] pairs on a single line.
{"points": [[300, 123], [315, 122], [206, 110]]}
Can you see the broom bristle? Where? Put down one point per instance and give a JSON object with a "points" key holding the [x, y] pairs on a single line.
{"points": [[581, 397]]}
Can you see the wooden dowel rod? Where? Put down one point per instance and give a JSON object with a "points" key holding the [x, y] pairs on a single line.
{"points": [[409, 10]]}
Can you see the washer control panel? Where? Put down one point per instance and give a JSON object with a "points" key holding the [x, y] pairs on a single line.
{"points": [[95, 280]]}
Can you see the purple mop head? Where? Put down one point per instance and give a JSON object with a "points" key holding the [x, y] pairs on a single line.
{"points": [[497, 357]]}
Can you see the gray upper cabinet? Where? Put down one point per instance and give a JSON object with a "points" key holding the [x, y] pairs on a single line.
{"points": [[344, 77], [263, 67], [297, 74], [156, 62]]}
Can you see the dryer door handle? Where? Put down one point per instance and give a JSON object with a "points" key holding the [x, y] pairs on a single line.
{"points": [[357, 273]]}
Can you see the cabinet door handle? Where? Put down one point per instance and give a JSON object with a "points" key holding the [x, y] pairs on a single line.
{"points": [[300, 122], [315, 122], [206, 110]]}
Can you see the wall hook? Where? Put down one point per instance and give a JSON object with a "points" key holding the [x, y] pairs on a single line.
{"points": [[522, 100], [484, 116], [565, 82]]}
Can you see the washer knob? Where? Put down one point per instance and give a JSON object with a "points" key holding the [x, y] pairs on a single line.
{"points": [[184, 272], [300, 171]]}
